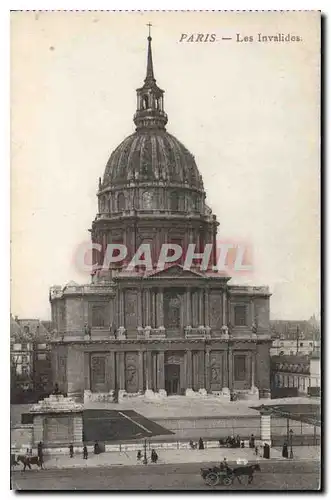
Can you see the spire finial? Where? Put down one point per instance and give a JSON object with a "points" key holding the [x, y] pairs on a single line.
{"points": [[150, 71]]}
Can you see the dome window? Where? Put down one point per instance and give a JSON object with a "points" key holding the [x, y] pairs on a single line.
{"points": [[145, 102], [174, 201], [147, 199], [120, 202]]}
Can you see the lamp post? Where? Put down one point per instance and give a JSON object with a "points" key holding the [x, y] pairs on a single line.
{"points": [[291, 443], [145, 461]]}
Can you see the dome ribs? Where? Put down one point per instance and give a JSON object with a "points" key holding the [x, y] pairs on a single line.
{"points": [[163, 158], [133, 164]]}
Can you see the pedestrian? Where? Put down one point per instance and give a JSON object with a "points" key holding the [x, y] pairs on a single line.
{"points": [[201, 445], [40, 451], [85, 452], [96, 448], [242, 444], [252, 441], [285, 450], [238, 441], [266, 451], [139, 455], [256, 451], [154, 456], [71, 450]]}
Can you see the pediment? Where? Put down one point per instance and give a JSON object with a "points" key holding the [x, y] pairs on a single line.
{"points": [[178, 271]]}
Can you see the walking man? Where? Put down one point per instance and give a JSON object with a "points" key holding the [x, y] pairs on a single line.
{"points": [[85, 453], [71, 450], [40, 453]]}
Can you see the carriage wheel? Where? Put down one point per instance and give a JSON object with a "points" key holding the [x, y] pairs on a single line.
{"points": [[227, 481], [212, 479]]}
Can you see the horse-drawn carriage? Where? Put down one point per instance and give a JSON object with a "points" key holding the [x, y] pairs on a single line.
{"points": [[217, 475]]}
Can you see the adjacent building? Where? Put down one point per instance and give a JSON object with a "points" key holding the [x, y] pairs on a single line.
{"points": [[30, 355], [152, 331]]}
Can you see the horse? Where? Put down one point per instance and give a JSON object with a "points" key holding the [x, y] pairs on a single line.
{"points": [[247, 470], [28, 461]]}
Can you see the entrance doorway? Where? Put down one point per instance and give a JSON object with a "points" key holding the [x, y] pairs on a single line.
{"points": [[172, 379]]}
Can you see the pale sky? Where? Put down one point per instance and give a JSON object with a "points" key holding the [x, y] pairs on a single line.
{"points": [[247, 111]]}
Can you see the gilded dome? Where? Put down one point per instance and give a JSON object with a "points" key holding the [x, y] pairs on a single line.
{"points": [[151, 155]]}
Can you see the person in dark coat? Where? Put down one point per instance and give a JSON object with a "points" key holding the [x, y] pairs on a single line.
{"points": [[85, 452], [96, 448], [201, 445], [238, 441], [71, 450], [285, 450], [154, 456], [266, 451], [242, 444], [40, 452], [256, 451], [252, 441]]}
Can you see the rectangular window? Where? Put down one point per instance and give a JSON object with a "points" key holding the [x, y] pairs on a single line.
{"points": [[98, 316], [240, 313], [240, 367], [41, 356]]}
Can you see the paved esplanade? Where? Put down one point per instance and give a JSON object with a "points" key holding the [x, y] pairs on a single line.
{"points": [[301, 475]]}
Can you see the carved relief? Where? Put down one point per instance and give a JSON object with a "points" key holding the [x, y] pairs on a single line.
{"points": [[131, 372], [215, 310], [216, 370]]}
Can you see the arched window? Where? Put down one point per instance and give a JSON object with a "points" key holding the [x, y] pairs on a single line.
{"points": [[195, 202], [120, 202], [145, 102], [174, 201], [147, 200]]}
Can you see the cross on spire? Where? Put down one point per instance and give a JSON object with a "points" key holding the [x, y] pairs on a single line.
{"points": [[149, 29]]}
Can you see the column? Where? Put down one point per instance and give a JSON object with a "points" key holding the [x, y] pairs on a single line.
{"points": [[159, 308], [121, 370], [225, 371], [224, 308], [252, 311], [201, 318], [139, 308], [147, 308], [153, 315], [110, 374], [149, 370], [188, 307], [188, 369], [253, 370], [207, 370], [265, 427], [140, 371], [230, 367], [121, 308], [160, 371], [207, 318], [87, 382]]}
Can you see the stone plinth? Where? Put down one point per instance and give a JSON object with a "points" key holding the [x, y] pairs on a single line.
{"points": [[57, 420]]}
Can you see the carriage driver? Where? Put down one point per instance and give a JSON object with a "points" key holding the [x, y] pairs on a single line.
{"points": [[224, 466]]}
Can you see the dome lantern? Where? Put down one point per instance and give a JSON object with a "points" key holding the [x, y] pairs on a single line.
{"points": [[150, 113]]}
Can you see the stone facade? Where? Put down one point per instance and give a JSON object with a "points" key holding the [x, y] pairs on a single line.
{"points": [[152, 331]]}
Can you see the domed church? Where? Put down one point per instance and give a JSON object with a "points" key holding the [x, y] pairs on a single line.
{"points": [[141, 329]]}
